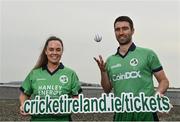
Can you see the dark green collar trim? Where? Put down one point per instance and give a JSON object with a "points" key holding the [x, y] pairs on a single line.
{"points": [[61, 66], [131, 48]]}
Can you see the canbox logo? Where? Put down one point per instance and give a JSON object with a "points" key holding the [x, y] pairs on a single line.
{"points": [[126, 75]]}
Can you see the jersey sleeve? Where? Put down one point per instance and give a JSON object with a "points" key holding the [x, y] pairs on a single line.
{"points": [[154, 62], [107, 67], [26, 85], [76, 87]]}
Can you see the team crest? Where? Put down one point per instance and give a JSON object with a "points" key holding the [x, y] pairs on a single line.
{"points": [[133, 62], [63, 79]]}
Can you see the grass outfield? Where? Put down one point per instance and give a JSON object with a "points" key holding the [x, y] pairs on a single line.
{"points": [[9, 111]]}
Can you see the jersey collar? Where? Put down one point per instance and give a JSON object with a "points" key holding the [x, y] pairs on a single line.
{"points": [[61, 66], [131, 48]]}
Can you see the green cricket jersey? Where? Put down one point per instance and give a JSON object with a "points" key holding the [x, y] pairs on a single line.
{"points": [[42, 82], [133, 72]]}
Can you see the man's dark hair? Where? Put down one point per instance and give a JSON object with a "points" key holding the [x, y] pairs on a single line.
{"points": [[126, 19]]}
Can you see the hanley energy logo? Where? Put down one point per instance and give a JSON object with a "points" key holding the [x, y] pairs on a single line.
{"points": [[127, 102]]}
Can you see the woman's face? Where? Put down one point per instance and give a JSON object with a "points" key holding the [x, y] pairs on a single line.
{"points": [[54, 52]]}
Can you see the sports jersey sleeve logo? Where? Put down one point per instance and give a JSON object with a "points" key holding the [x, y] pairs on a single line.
{"points": [[63, 79], [134, 62]]}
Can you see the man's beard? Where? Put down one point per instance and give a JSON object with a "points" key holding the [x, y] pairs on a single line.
{"points": [[125, 41]]}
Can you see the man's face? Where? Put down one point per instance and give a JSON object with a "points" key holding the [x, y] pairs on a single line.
{"points": [[123, 32], [54, 52]]}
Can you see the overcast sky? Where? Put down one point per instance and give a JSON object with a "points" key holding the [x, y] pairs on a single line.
{"points": [[26, 24]]}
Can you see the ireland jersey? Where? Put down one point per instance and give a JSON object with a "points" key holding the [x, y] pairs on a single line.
{"points": [[133, 72], [42, 82]]}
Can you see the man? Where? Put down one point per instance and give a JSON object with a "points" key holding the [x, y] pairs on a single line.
{"points": [[131, 69], [50, 77]]}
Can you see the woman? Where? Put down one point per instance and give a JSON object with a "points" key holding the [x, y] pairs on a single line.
{"points": [[50, 77]]}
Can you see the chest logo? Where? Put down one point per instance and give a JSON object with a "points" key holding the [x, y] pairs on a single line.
{"points": [[40, 79], [134, 62], [115, 66], [63, 79]]}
